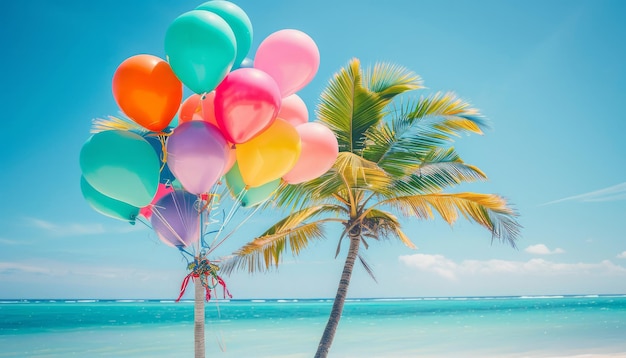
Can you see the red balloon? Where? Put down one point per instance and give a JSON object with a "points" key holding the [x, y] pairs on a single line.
{"points": [[246, 103]]}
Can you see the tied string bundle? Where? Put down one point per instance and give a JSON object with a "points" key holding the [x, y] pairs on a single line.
{"points": [[206, 272]]}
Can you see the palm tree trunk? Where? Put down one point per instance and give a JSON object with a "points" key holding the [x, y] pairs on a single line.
{"points": [[198, 319], [342, 291]]}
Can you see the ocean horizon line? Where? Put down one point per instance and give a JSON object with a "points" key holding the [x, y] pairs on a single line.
{"points": [[306, 299]]}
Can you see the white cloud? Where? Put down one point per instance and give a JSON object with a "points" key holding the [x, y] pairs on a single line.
{"points": [[622, 255], [435, 263], [452, 270], [74, 229], [612, 193], [541, 249]]}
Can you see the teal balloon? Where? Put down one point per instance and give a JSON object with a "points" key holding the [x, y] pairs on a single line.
{"points": [[108, 206], [238, 21], [201, 48], [174, 122], [121, 165], [254, 196]]}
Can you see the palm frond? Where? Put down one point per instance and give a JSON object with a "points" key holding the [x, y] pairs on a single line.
{"points": [[348, 108], [440, 169], [292, 232], [397, 155], [456, 114], [488, 210], [428, 173], [381, 224], [264, 252], [367, 268], [414, 129], [360, 173], [116, 123], [350, 172], [389, 80]]}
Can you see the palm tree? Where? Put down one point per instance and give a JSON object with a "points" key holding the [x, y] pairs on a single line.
{"points": [[395, 156]]}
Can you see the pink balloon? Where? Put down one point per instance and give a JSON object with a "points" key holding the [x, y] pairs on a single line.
{"points": [[293, 110], [291, 57], [196, 154], [162, 190], [246, 103], [319, 152], [231, 159]]}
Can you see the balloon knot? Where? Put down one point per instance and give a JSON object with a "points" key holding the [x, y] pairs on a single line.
{"points": [[205, 271]]}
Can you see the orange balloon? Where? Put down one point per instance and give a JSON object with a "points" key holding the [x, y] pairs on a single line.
{"points": [[198, 108], [147, 91], [208, 108], [191, 109]]}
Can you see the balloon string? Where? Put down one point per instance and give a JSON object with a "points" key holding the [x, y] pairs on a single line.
{"points": [[282, 185], [181, 214], [168, 226], [212, 203], [159, 215], [219, 336], [236, 228], [139, 219], [236, 206], [233, 210], [163, 152]]}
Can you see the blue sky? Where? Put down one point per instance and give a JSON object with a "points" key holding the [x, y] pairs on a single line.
{"points": [[549, 75]]}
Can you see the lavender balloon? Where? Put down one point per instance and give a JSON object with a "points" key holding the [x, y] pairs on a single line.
{"points": [[197, 153], [176, 219]]}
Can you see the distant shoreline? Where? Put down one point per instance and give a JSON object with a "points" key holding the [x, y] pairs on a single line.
{"points": [[321, 299]]}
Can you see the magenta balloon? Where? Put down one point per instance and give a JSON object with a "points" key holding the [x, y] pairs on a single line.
{"points": [[246, 103], [291, 57], [197, 153], [319, 152], [293, 110], [176, 219], [162, 190]]}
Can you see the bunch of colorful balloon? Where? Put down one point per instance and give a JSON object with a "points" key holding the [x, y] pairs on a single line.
{"points": [[244, 126]]}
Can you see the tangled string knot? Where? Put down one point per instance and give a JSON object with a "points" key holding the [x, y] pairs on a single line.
{"points": [[205, 271]]}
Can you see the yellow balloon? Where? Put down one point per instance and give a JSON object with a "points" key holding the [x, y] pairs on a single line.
{"points": [[269, 155]]}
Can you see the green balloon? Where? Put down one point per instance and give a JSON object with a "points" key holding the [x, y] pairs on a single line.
{"points": [[253, 196], [107, 206], [201, 48], [121, 165], [238, 21]]}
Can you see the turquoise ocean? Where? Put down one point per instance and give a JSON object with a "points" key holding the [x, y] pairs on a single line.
{"points": [[551, 326]]}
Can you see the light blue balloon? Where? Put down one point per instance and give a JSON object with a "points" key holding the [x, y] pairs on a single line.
{"points": [[238, 21], [246, 63], [201, 49], [253, 196], [108, 206], [121, 165]]}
